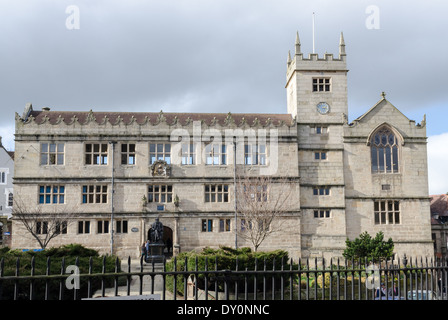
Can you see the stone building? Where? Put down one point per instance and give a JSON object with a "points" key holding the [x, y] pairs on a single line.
{"points": [[120, 170], [439, 220], [6, 193]]}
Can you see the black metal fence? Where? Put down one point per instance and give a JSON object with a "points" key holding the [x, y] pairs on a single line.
{"points": [[409, 279]]}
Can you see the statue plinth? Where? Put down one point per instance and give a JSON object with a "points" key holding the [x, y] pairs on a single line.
{"points": [[155, 252]]}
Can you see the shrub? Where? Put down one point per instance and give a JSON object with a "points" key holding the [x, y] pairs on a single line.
{"points": [[224, 258], [367, 247], [71, 250], [53, 256]]}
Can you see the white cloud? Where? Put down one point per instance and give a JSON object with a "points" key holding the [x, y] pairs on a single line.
{"points": [[7, 134], [437, 163]]}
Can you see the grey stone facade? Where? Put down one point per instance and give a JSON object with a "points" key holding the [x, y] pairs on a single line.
{"points": [[340, 188]]}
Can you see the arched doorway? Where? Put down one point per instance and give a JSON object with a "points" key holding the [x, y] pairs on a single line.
{"points": [[168, 239]]}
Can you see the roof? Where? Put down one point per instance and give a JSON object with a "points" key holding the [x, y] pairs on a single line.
{"points": [[377, 105], [68, 117], [439, 204], [10, 153]]}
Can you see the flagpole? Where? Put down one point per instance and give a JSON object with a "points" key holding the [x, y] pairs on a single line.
{"points": [[313, 34]]}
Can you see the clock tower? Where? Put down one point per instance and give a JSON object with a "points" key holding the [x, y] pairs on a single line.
{"points": [[317, 97], [317, 87]]}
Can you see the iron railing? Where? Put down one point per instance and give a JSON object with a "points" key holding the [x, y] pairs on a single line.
{"points": [[308, 279]]}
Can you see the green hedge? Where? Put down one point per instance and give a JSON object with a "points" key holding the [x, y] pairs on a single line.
{"points": [[224, 258], [70, 253]]}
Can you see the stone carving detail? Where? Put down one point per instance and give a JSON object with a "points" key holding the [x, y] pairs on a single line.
{"points": [[161, 169]]}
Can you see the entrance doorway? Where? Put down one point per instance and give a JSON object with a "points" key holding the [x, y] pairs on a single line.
{"points": [[167, 240]]}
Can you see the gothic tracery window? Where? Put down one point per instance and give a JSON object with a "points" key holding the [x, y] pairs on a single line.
{"points": [[384, 151]]}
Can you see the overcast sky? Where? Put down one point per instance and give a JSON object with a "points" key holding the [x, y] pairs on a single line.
{"points": [[220, 56]]}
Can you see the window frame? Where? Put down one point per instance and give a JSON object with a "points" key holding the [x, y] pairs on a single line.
{"points": [[188, 154], [224, 225], [41, 227], [49, 191], [56, 154], [84, 227], [387, 214], [102, 226], [206, 225], [90, 194], [4, 172], [212, 191], [121, 226], [321, 191], [61, 228], [163, 154], [258, 192], [9, 199], [261, 158], [321, 130], [385, 156], [322, 213], [216, 154], [127, 155], [98, 157], [318, 86], [245, 225], [160, 194], [321, 155]]}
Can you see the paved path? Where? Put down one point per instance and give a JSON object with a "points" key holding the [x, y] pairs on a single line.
{"points": [[135, 282]]}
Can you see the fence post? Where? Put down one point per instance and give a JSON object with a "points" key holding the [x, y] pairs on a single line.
{"points": [[2, 265], [128, 278], [61, 286], [405, 262], [47, 287], [32, 280], [16, 282], [75, 290]]}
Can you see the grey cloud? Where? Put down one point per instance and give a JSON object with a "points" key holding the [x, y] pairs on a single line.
{"points": [[211, 55]]}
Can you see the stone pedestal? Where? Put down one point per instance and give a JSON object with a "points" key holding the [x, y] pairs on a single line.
{"points": [[155, 252]]}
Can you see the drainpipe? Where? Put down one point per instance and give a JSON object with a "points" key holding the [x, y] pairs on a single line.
{"points": [[234, 186], [112, 199]]}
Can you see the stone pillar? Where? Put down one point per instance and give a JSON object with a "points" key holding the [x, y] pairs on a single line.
{"points": [[176, 240]]}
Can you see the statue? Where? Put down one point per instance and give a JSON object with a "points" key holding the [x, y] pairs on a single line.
{"points": [[156, 232], [155, 245]]}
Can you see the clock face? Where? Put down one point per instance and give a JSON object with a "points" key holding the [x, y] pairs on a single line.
{"points": [[323, 107]]}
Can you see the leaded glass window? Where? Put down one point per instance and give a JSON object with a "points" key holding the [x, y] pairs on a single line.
{"points": [[384, 151]]}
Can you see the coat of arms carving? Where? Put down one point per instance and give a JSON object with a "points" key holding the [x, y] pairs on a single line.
{"points": [[160, 168]]}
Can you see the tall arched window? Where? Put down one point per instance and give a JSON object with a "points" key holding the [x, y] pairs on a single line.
{"points": [[384, 151]]}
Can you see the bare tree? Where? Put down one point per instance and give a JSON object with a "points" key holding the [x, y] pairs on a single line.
{"points": [[260, 203], [43, 227]]}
